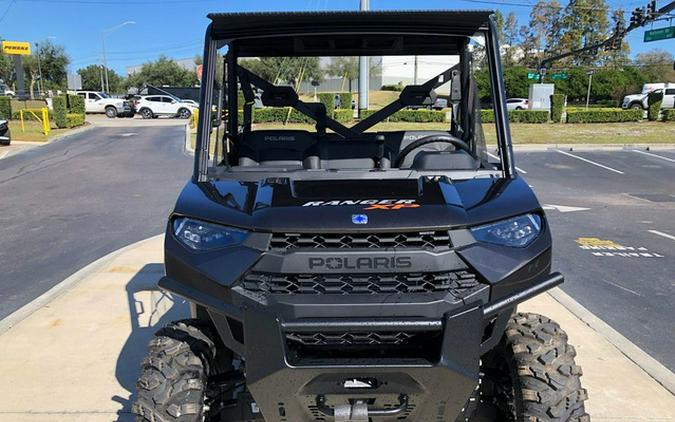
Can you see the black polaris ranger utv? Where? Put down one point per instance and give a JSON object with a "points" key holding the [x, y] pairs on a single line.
{"points": [[356, 271]]}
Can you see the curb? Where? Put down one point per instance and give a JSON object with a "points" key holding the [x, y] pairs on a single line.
{"points": [[648, 364], [588, 147], [188, 136], [44, 299]]}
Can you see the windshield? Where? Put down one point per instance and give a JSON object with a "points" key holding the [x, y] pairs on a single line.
{"points": [[103, 95], [421, 112]]}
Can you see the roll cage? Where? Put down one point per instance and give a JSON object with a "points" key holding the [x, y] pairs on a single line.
{"points": [[347, 34]]}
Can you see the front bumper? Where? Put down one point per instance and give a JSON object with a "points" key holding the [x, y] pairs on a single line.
{"points": [[5, 137]]}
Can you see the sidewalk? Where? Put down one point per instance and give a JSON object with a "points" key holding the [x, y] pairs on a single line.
{"points": [[76, 357]]}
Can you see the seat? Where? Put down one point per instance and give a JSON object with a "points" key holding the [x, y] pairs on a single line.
{"points": [[275, 148], [444, 160], [397, 141], [342, 154]]}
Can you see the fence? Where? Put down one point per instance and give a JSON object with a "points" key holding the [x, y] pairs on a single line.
{"points": [[44, 119]]}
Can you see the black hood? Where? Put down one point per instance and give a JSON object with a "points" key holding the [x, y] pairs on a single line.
{"points": [[283, 205]]}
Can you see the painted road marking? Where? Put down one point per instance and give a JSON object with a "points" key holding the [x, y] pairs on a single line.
{"points": [[609, 248], [564, 208], [658, 233], [499, 159], [589, 161], [654, 155], [126, 135]]}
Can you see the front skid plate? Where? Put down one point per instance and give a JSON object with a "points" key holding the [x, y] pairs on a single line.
{"points": [[436, 391]]}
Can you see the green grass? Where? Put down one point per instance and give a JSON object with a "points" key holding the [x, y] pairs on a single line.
{"points": [[522, 133], [32, 131]]}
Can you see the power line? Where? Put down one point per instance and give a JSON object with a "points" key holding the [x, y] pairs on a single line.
{"points": [[119, 3], [9, 6], [550, 6]]}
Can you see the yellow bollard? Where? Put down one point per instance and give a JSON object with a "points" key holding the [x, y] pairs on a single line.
{"points": [[23, 129], [195, 118], [45, 120]]}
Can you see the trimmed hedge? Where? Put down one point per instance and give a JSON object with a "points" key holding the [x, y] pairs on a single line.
{"points": [[669, 115], [76, 104], [528, 116], [279, 114], [344, 115], [557, 105], [654, 100], [487, 116], [6, 108], [75, 119], [397, 87], [603, 116], [417, 116], [328, 99], [60, 108]]}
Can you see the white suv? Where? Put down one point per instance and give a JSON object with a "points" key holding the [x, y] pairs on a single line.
{"points": [[100, 102], [640, 101], [151, 106]]}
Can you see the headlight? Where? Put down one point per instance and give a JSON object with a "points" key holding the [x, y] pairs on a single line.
{"points": [[202, 236], [517, 231]]}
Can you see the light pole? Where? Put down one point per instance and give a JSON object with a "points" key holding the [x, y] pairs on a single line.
{"points": [[588, 94], [104, 34], [37, 51], [364, 74]]}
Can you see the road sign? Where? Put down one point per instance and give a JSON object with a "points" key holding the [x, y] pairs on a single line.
{"points": [[533, 75], [18, 48], [559, 76], [660, 34]]}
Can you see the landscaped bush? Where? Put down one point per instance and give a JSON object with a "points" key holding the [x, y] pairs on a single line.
{"points": [[5, 108], [669, 115], [344, 115], [417, 116], [557, 104], [76, 104], [654, 101], [603, 116], [279, 114], [397, 87], [60, 111], [75, 119], [345, 99], [528, 116], [487, 116], [327, 99]]}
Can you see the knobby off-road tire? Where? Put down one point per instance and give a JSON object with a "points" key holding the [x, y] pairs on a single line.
{"points": [[172, 384], [545, 379]]}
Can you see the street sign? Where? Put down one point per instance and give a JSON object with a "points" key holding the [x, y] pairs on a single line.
{"points": [[533, 75], [74, 81], [17, 48], [559, 76], [660, 34]]}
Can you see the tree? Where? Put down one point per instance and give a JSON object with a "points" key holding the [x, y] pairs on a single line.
{"points": [[584, 23], [91, 79], [656, 65], [286, 70], [346, 68], [52, 65], [161, 72], [546, 27]]}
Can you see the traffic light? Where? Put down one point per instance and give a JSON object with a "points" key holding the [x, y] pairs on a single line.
{"points": [[650, 13], [638, 17]]}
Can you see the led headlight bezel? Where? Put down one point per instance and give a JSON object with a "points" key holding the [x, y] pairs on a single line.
{"points": [[488, 233], [225, 236]]}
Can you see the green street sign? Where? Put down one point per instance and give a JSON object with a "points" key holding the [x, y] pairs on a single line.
{"points": [[533, 76], [559, 76], [660, 34]]}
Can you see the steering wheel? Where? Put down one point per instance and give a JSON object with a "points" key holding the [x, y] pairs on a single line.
{"points": [[444, 138]]}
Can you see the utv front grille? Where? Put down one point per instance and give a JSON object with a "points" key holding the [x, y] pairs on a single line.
{"points": [[459, 283], [427, 239], [393, 338]]}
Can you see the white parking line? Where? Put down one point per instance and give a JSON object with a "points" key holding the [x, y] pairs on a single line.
{"points": [[589, 161], [662, 234], [654, 155], [497, 158]]}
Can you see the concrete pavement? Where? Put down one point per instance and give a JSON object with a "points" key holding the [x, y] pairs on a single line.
{"points": [[77, 357]]}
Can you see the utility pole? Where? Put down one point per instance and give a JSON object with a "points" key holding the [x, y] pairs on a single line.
{"points": [[37, 51], [102, 79], [415, 77], [588, 94], [364, 71], [104, 34]]}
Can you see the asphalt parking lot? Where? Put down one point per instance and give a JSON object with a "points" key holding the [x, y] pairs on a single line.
{"points": [[612, 215]]}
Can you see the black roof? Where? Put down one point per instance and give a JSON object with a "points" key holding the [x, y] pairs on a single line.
{"points": [[291, 33]]}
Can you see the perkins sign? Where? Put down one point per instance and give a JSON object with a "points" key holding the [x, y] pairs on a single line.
{"points": [[17, 48]]}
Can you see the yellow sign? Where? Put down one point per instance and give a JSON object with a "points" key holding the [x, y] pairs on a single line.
{"points": [[18, 48]]}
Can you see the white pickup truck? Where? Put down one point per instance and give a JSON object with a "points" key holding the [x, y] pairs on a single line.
{"points": [[100, 102], [639, 101]]}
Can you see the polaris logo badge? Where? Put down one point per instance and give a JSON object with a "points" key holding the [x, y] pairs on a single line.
{"points": [[360, 219], [408, 202], [360, 263], [276, 138]]}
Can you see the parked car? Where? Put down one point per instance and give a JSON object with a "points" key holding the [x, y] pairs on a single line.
{"points": [[439, 104], [5, 91], [100, 102], [517, 104], [5, 134], [640, 101], [151, 106], [193, 103]]}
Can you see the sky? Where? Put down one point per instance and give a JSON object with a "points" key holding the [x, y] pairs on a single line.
{"points": [[175, 28]]}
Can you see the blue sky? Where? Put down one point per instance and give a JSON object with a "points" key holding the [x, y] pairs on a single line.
{"points": [[175, 27]]}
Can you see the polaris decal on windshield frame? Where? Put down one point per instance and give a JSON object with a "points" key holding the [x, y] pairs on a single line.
{"points": [[401, 203]]}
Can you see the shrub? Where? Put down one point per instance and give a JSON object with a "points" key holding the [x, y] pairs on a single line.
{"points": [[75, 119], [344, 115], [60, 111], [327, 99], [557, 104], [6, 108], [345, 99], [417, 116], [528, 116], [76, 104], [669, 115], [279, 114], [487, 116], [603, 116], [654, 101], [397, 87]]}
